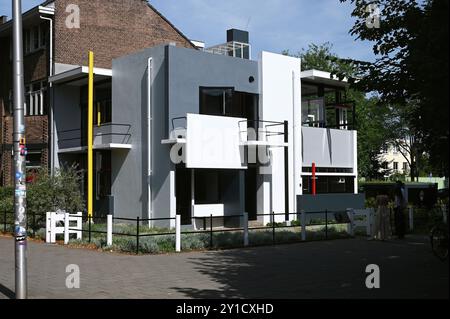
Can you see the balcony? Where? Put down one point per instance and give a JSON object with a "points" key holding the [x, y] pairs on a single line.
{"points": [[108, 136], [220, 142], [317, 113], [233, 49], [329, 147]]}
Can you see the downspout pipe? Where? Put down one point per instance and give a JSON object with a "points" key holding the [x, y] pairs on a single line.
{"points": [[149, 139], [52, 124]]}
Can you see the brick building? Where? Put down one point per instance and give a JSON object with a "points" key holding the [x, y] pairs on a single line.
{"points": [[110, 28]]}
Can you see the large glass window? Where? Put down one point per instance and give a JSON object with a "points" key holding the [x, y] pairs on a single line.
{"points": [[207, 187], [103, 174], [216, 101], [329, 184], [313, 113], [228, 102]]}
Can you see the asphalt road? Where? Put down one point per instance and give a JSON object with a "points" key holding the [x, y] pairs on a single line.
{"points": [[327, 269]]}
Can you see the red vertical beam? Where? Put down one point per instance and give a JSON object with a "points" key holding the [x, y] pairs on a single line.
{"points": [[314, 179]]}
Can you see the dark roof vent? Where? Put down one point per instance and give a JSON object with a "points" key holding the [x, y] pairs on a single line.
{"points": [[3, 19]]}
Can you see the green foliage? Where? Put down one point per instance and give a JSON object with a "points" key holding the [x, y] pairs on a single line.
{"points": [[320, 57], [371, 202], [6, 199], [411, 68], [50, 193]]}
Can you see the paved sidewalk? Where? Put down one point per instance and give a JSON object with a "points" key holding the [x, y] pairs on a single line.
{"points": [[333, 269]]}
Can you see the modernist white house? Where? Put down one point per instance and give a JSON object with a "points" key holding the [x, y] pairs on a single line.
{"points": [[210, 132]]}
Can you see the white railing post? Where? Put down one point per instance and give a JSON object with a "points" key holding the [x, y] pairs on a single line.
{"points": [[245, 226], [66, 228], [303, 222], [351, 225], [411, 218], [79, 225], [52, 227], [109, 230], [48, 218], [178, 233]]}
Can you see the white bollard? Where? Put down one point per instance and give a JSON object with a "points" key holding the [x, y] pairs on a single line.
{"points": [[109, 230], [178, 233], [411, 218], [303, 222], [245, 226], [66, 228]]}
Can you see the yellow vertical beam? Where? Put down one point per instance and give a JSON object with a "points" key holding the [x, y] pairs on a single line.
{"points": [[90, 126]]}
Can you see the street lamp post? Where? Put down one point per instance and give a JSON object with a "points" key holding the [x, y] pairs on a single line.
{"points": [[20, 150]]}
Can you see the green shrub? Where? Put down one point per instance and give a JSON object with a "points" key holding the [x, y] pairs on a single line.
{"points": [[6, 199], [50, 193]]}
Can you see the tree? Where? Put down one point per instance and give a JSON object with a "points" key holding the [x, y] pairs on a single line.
{"points": [[404, 137], [411, 68], [321, 57], [371, 116]]}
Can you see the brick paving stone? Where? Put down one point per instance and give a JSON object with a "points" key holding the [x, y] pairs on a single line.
{"points": [[333, 269]]}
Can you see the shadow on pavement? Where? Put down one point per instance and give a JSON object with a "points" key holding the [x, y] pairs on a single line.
{"points": [[321, 270]]}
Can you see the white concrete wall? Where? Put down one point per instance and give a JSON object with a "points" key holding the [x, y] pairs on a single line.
{"points": [[280, 100], [328, 147], [214, 142]]}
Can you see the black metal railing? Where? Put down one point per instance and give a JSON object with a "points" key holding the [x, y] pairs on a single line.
{"points": [[209, 229], [77, 137], [350, 124], [177, 119], [263, 129]]}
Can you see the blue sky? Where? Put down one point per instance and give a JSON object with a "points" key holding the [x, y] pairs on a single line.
{"points": [[274, 25]]}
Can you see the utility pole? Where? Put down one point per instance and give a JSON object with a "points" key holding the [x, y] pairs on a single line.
{"points": [[20, 152]]}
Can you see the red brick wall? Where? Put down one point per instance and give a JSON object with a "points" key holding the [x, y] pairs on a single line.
{"points": [[110, 28], [37, 133], [35, 69]]}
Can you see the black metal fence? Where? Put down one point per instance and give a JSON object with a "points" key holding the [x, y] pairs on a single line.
{"points": [[328, 220], [34, 222], [232, 223]]}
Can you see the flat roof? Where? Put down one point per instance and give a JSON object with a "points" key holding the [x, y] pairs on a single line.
{"points": [[79, 74], [322, 77]]}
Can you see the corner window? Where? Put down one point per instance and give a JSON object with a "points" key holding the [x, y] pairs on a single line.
{"points": [[313, 113], [329, 185]]}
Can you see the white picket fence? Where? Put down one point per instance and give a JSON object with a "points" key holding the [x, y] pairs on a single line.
{"points": [[364, 218], [72, 225]]}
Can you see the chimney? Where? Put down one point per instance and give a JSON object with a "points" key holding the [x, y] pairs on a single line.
{"points": [[3, 19], [235, 35], [242, 37]]}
